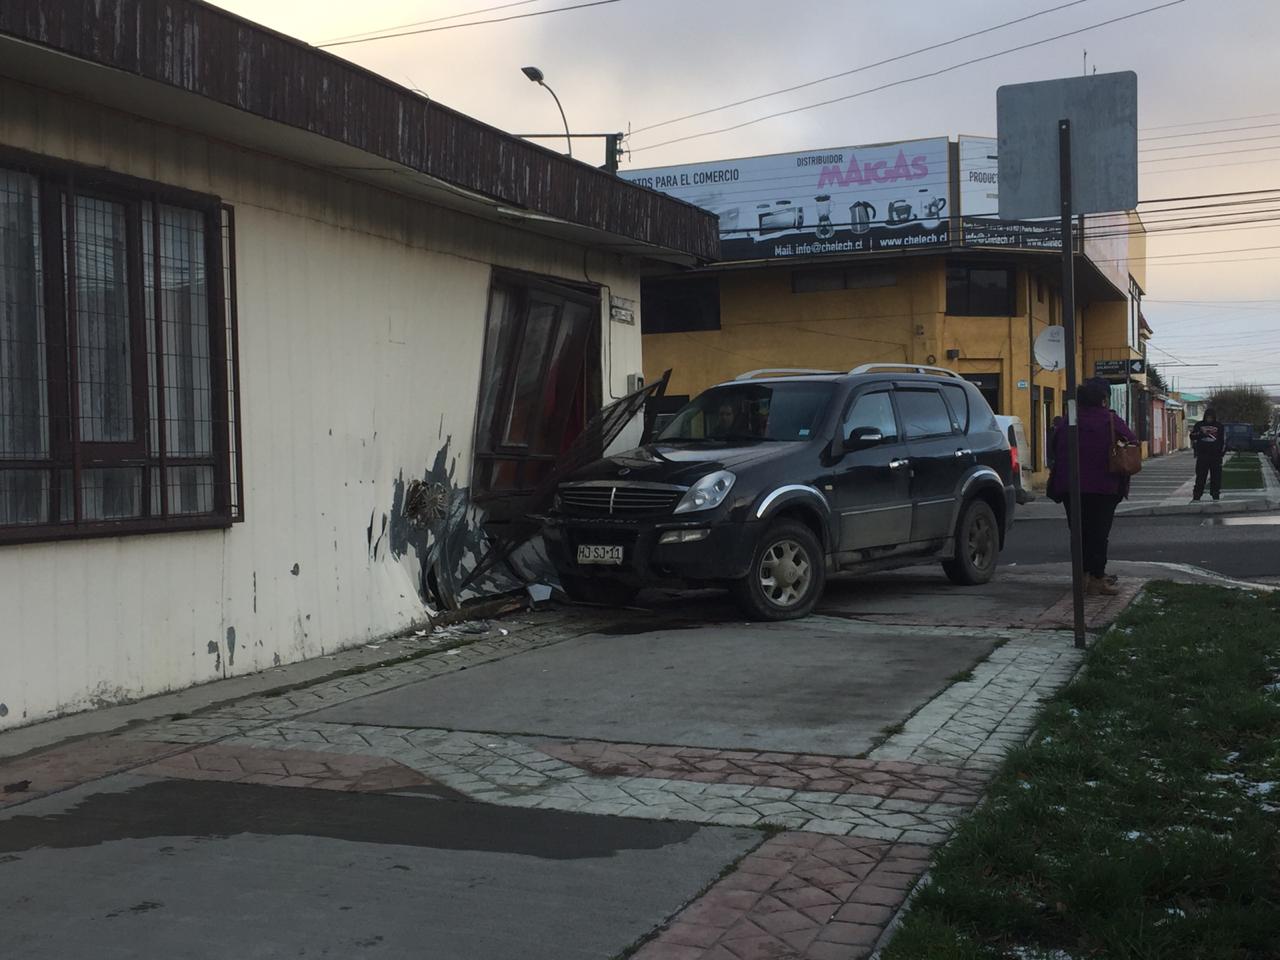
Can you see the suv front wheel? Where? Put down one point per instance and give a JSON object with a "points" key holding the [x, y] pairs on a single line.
{"points": [[977, 546], [787, 574]]}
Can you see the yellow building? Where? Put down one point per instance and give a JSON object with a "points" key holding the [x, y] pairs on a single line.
{"points": [[976, 311], [892, 252]]}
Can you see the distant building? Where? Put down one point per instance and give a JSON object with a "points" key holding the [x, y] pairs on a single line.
{"points": [[891, 253]]}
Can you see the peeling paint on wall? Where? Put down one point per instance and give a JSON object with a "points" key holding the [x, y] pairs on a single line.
{"points": [[434, 521], [231, 646], [217, 652], [4, 709], [295, 569]]}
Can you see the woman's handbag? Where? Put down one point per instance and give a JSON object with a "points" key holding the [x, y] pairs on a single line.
{"points": [[1124, 459]]}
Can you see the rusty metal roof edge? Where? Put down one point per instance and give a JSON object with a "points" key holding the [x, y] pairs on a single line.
{"points": [[185, 45]]}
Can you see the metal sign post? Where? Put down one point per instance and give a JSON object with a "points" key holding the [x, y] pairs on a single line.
{"points": [[1097, 141], [1073, 424]]}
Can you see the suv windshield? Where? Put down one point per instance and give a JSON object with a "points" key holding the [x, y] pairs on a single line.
{"points": [[752, 411]]}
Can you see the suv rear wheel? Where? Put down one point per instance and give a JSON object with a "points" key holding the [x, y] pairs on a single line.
{"points": [[977, 546], [787, 574]]}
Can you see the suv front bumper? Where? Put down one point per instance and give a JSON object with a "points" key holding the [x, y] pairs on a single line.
{"points": [[724, 554]]}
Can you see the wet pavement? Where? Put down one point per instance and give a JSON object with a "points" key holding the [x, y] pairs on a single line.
{"points": [[137, 867]]}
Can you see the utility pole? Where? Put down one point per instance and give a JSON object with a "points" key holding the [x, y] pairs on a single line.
{"points": [[1073, 423]]}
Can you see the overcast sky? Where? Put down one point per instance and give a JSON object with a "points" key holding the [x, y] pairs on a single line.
{"points": [[631, 63]]}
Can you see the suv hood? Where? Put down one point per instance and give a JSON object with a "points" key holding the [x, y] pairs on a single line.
{"points": [[682, 463]]}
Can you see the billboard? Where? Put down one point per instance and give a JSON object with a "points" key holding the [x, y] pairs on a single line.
{"points": [[840, 201], [980, 204]]}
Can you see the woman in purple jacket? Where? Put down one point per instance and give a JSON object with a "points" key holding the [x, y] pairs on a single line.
{"points": [[1100, 490]]}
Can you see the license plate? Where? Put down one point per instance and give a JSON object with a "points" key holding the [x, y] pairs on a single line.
{"points": [[609, 556]]}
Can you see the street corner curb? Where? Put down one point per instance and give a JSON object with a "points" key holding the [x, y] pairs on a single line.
{"points": [[1218, 508]]}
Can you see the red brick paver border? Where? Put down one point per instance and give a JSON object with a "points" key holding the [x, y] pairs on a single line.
{"points": [[923, 783], [75, 763], [288, 768], [800, 895], [1099, 611]]}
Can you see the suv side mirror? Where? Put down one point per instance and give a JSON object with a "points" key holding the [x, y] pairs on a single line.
{"points": [[860, 438]]}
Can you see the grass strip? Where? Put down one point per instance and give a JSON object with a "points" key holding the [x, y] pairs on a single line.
{"points": [[1242, 472], [1143, 820]]}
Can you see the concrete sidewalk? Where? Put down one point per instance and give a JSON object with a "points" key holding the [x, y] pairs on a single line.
{"points": [[1163, 489]]}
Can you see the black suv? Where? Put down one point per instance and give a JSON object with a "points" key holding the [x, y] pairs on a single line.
{"points": [[767, 483]]}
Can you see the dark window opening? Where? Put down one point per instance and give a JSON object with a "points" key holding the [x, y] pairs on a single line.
{"points": [[980, 291], [847, 278], [671, 305], [988, 385], [539, 387], [118, 396]]}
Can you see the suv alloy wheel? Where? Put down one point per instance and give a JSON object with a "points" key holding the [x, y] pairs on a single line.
{"points": [[977, 546], [787, 575]]}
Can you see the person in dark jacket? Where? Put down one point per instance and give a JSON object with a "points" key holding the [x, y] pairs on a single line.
{"points": [[1100, 490], [1052, 445], [1209, 441]]}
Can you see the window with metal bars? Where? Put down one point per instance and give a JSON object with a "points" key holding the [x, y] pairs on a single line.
{"points": [[119, 404]]}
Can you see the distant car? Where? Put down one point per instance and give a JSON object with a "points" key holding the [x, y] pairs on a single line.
{"points": [[1018, 448], [1239, 436]]}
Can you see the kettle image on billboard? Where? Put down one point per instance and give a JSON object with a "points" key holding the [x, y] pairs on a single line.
{"points": [[861, 216]]}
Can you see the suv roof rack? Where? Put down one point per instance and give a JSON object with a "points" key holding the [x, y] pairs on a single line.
{"points": [[782, 371], [911, 367]]}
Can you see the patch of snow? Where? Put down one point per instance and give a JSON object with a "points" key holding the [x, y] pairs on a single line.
{"points": [[1037, 953], [1135, 835]]}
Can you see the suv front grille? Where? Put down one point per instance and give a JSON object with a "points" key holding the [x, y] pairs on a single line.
{"points": [[619, 499]]}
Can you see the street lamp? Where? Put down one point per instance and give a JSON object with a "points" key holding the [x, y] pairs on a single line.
{"points": [[536, 76]]}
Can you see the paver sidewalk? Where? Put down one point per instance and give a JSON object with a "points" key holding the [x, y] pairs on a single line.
{"points": [[857, 832]]}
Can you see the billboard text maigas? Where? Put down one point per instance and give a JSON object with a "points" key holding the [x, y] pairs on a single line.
{"points": [[837, 201]]}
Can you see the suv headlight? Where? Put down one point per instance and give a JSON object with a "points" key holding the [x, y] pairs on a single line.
{"points": [[707, 493]]}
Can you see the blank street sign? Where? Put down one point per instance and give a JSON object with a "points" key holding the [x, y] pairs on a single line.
{"points": [[1103, 110]]}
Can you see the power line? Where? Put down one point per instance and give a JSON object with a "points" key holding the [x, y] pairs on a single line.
{"points": [[1204, 263], [1210, 133], [923, 76], [1210, 196], [424, 23], [1219, 153], [1211, 166], [848, 73], [1208, 143], [1204, 123], [478, 23]]}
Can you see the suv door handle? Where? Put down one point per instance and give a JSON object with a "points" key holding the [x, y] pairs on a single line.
{"points": [[963, 453], [898, 464]]}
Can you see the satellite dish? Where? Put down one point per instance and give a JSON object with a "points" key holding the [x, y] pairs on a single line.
{"points": [[1050, 349]]}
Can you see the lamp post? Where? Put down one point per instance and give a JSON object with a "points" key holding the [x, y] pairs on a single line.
{"points": [[536, 76]]}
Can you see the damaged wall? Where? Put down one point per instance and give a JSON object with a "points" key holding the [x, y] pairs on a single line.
{"points": [[361, 321]]}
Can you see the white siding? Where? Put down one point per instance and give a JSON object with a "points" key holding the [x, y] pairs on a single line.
{"points": [[361, 319]]}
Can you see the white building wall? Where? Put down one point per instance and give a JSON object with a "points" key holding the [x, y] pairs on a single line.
{"points": [[361, 323]]}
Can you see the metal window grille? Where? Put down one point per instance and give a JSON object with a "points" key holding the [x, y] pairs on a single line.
{"points": [[119, 394]]}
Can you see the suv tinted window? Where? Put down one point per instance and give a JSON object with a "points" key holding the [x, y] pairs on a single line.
{"points": [[752, 411], [958, 399], [872, 410], [924, 414]]}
